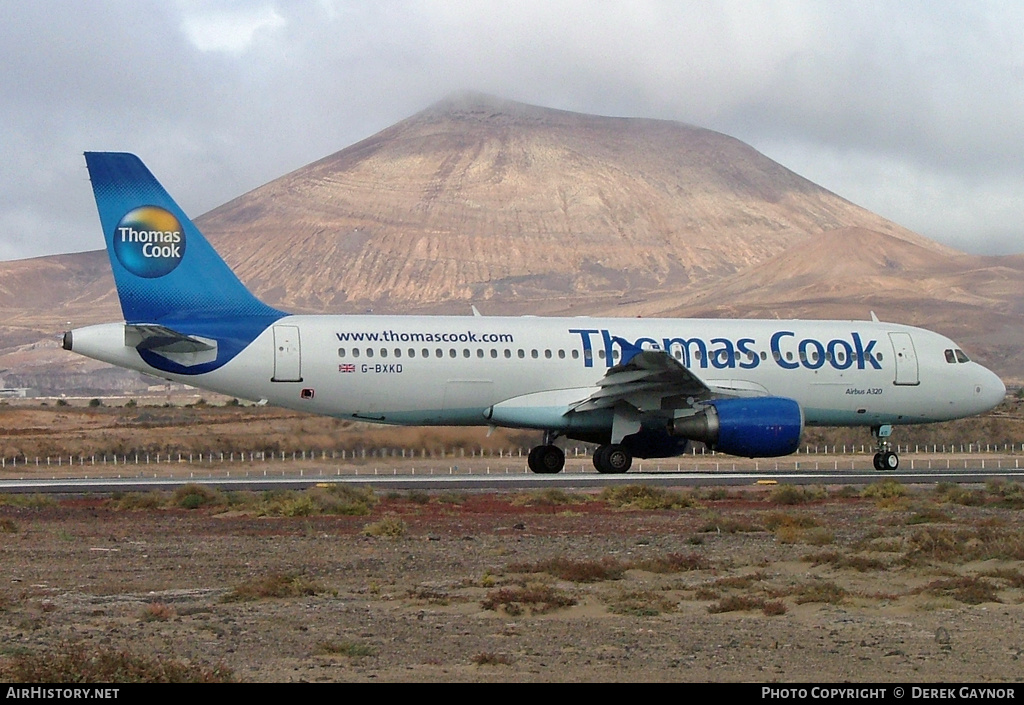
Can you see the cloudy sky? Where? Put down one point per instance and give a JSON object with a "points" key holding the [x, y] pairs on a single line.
{"points": [[914, 110]]}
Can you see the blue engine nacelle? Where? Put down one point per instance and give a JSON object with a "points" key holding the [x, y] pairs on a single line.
{"points": [[756, 427]]}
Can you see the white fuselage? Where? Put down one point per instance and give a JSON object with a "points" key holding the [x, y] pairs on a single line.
{"points": [[444, 370]]}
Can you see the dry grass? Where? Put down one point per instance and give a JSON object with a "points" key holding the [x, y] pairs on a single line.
{"points": [[535, 597], [577, 571], [274, 585], [646, 498], [77, 663], [388, 528]]}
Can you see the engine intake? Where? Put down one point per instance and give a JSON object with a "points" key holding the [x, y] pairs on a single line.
{"points": [[759, 427]]}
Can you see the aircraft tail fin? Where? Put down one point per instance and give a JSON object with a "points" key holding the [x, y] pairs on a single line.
{"points": [[165, 270]]}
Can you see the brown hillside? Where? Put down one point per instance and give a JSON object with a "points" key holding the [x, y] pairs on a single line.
{"points": [[481, 199]]}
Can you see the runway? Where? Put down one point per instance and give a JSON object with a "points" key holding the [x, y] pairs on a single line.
{"points": [[475, 474]]}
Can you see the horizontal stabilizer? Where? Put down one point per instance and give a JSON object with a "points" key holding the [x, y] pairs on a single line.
{"points": [[184, 349]]}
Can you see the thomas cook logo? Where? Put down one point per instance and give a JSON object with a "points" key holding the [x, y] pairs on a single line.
{"points": [[149, 242]]}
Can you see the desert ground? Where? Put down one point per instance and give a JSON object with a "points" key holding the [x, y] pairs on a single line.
{"points": [[877, 583]]}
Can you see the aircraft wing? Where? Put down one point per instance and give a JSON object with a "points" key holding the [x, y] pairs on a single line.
{"points": [[649, 380]]}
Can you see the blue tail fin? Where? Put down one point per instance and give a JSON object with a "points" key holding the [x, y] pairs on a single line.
{"points": [[164, 268]]}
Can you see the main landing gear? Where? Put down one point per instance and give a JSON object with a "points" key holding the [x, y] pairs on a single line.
{"points": [[546, 459], [612, 459], [885, 457]]}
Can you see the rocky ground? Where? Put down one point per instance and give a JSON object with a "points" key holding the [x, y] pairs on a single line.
{"points": [[758, 585]]}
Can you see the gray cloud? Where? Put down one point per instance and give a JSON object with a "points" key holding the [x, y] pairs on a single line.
{"points": [[909, 109]]}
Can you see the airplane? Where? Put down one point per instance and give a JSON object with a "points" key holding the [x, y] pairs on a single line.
{"points": [[638, 388]]}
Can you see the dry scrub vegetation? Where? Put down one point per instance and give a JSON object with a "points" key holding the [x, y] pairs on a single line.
{"points": [[31, 429], [884, 582]]}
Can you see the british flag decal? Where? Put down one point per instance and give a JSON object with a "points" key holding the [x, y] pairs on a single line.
{"points": [[347, 368]]}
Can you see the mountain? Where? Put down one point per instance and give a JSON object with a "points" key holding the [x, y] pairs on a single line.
{"points": [[479, 199], [522, 209]]}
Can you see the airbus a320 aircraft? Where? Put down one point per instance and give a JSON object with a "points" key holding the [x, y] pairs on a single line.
{"points": [[639, 388]]}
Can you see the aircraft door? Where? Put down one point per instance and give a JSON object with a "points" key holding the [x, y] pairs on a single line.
{"points": [[287, 354], [906, 359]]}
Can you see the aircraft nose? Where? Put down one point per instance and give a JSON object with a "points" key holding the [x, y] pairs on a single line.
{"points": [[989, 390]]}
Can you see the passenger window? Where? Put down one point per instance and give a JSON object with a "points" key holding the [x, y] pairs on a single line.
{"points": [[508, 353], [425, 352], [398, 352], [494, 352], [452, 352], [369, 352], [439, 353], [355, 352], [547, 354], [412, 352], [479, 352], [600, 354], [561, 354], [465, 352], [383, 352], [341, 352], [533, 354], [521, 353]]}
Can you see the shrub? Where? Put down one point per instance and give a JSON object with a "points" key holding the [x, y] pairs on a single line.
{"points": [[641, 603], [827, 592], [78, 664], [537, 598], [884, 489], [489, 658], [158, 612], [350, 649], [193, 496], [575, 571], [388, 527], [275, 585], [737, 603], [645, 498], [673, 563], [791, 494], [967, 589]]}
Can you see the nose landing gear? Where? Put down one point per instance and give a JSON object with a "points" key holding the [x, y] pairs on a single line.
{"points": [[885, 457]]}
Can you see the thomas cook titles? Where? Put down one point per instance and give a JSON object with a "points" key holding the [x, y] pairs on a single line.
{"points": [[149, 241]]}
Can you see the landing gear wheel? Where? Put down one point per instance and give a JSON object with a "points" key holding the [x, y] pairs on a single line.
{"points": [[612, 459], [886, 461], [885, 458], [546, 460]]}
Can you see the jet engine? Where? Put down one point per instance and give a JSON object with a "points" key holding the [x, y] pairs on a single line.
{"points": [[758, 427]]}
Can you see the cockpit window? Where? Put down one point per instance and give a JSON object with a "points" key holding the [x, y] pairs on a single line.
{"points": [[950, 357], [961, 356]]}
